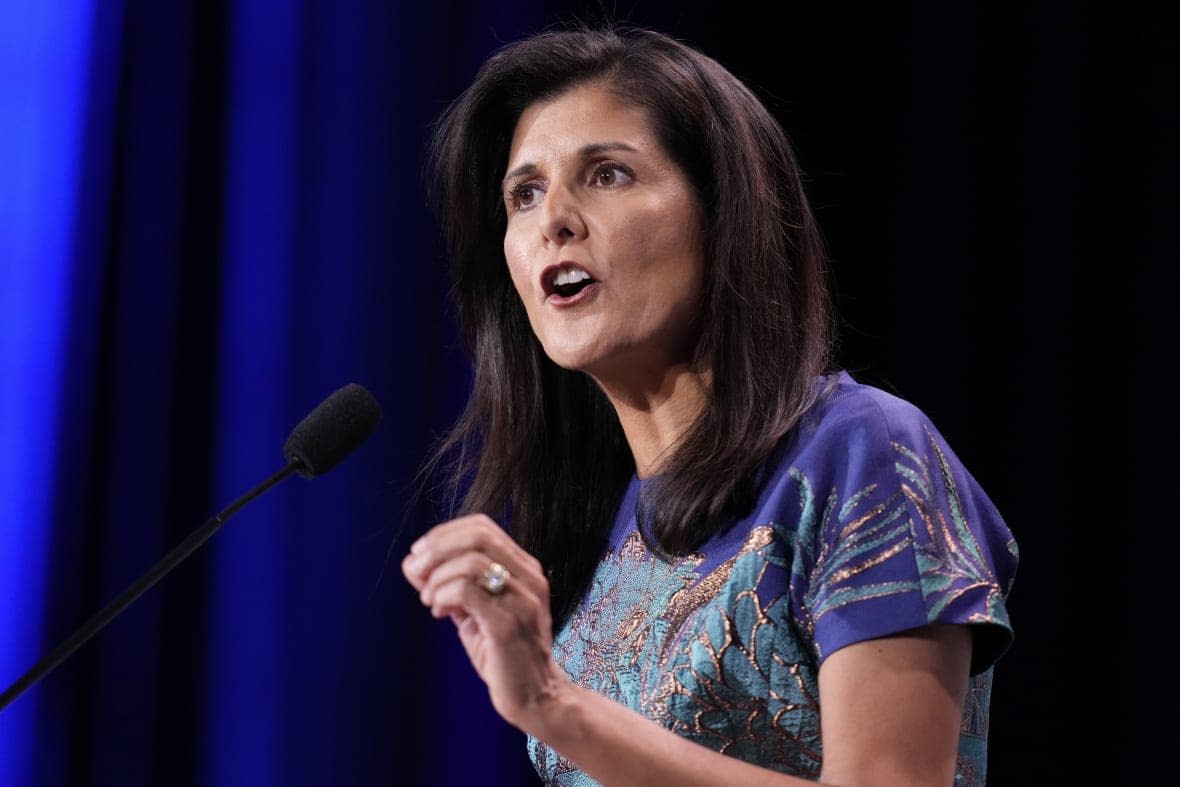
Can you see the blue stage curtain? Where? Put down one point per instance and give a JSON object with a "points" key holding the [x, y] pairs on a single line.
{"points": [[213, 216]]}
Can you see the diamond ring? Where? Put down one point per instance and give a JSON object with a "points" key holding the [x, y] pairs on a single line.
{"points": [[495, 579]]}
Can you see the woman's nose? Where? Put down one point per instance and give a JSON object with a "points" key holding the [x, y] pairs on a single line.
{"points": [[562, 219]]}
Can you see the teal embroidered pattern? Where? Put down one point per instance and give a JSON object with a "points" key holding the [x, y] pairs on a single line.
{"points": [[723, 647]]}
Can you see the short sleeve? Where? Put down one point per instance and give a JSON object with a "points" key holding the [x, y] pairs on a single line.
{"points": [[901, 535]]}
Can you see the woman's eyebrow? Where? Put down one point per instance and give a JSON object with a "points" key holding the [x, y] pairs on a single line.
{"points": [[594, 148], [586, 151]]}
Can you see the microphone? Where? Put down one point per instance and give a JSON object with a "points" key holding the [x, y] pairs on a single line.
{"points": [[317, 444]]}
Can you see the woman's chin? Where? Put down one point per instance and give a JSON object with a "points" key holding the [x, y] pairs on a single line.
{"points": [[572, 362], [574, 356]]}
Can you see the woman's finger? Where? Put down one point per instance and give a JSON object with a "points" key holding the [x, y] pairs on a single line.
{"points": [[514, 620], [475, 533], [490, 574], [461, 595]]}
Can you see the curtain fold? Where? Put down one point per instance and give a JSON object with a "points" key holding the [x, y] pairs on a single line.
{"points": [[47, 56]]}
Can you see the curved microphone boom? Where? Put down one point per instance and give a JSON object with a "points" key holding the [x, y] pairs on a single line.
{"points": [[328, 434]]}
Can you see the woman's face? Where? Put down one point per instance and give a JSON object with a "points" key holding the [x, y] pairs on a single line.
{"points": [[604, 237]]}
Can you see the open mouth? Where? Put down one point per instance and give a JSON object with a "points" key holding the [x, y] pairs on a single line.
{"points": [[567, 281]]}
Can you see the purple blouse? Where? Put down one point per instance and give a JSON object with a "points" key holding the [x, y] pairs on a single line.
{"points": [[866, 525]]}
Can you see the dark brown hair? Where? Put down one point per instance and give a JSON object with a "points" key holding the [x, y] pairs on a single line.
{"points": [[542, 446]]}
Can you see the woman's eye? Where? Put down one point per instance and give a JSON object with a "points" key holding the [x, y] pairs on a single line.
{"points": [[611, 175], [522, 195]]}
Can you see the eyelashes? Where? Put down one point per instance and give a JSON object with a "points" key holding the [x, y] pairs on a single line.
{"points": [[520, 195], [614, 170], [526, 193]]}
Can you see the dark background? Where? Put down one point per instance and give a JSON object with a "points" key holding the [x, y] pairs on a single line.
{"points": [[247, 231]]}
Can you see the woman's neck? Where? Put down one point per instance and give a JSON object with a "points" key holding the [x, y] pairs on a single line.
{"points": [[656, 414]]}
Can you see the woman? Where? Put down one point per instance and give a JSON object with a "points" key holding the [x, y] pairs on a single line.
{"points": [[713, 535]]}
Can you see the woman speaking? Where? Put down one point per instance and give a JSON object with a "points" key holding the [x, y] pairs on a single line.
{"points": [[689, 551]]}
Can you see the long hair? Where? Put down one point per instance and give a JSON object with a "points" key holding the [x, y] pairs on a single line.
{"points": [[542, 446]]}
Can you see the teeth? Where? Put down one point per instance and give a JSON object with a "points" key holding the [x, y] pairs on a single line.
{"points": [[570, 276]]}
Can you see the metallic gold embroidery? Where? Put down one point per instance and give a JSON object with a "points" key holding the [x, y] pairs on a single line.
{"points": [[687, 601], [845, 574]]}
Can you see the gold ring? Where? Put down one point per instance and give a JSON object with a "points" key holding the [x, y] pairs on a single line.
{"points": [[495, 579]]}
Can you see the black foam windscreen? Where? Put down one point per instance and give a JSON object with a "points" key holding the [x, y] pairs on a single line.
{"points": [[332, 430]]}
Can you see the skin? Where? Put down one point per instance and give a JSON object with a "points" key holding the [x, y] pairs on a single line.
{"points": [[891, 706]]}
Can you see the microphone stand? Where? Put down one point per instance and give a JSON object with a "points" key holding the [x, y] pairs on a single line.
{"points": [[157, 572]]}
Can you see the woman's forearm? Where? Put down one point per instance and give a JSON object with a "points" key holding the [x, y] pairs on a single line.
{"points": [[621, 748]]}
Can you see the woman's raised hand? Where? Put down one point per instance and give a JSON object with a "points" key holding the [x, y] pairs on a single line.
{"points": [[470, 570]]}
